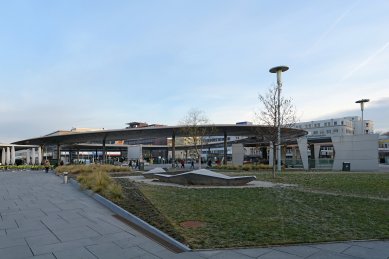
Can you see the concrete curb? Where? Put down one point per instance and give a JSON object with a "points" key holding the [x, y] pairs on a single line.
{"points": [[132, 218]]}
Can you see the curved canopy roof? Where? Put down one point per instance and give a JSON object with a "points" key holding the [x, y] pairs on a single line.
{"points": [[159, 132]]}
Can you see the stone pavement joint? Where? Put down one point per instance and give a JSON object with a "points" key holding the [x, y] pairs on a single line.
{"points": [[40, 217]]}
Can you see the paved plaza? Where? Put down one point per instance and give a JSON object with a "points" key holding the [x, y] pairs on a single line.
{"points": [[40, 217]]}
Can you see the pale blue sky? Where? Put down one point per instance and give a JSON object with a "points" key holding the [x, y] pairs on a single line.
{"points": [[100, 64]]}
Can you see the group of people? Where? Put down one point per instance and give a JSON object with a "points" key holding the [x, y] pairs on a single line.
{"points": [[134, 164]]}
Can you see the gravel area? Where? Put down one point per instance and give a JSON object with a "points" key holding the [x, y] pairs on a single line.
{"points": [[253, 184]]}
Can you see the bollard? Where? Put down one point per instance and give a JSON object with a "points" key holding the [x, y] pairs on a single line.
{"points": [[65, 177]]}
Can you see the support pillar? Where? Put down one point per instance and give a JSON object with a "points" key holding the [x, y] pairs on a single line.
{"points": [[225, 149], [317, 153], [58, 154], [173, 149], [40, 151], [283, 154], [33, 156], [104, 158], [13, 155], [28, 155], [3, 156], [303, 147], [271, 158]]}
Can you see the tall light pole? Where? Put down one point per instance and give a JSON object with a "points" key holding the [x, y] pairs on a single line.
{"points": [[362, 102], [279, 70]]}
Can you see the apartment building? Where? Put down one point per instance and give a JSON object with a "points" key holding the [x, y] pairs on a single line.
{"points": [[337, 127]]}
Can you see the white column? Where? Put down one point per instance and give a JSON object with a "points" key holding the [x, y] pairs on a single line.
{"points": [[8, 156], [317, 153], [303, 147], [28, 156], [271, 154], [33, 156], [39, 155], [13, 155], [3, 156]]}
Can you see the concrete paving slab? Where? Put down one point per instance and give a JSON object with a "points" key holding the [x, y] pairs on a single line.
{"points": [[363, 252], [20, 232], [111, 250], [8, 223], [302, 251], [334, 247], [207, 253], [45, 256], [21, 251], [46, 239], [147, 256], [380, 245], [231, 254], [77, 253], [44, 249], [253, 252], [330, 255], [6, 241], [186, 255], [103, 228], [279, 255], [116, 237], [75, 233], [152, 247]]}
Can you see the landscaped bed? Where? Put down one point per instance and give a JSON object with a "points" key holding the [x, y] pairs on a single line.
{"points": [[323, 207], [265, 216]]}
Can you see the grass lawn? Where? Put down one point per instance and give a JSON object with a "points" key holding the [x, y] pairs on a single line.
{"points": [[263, 216], [363, 184]]}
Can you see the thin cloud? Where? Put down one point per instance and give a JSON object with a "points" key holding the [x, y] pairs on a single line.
{"points": [[366, 61], [331, 28]]}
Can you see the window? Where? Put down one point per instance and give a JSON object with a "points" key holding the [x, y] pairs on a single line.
{"points": [[315, 132], [335, 123], [342, 122], [335, 131], [328, 131]]}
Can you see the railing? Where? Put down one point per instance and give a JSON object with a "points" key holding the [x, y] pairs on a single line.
{"points": [[322, 163]]}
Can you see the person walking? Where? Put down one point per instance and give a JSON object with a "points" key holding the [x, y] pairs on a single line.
{"points": [[47, 165], [192, 164]]}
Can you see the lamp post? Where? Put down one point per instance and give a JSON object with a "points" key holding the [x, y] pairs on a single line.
{"points": [[279, 70], [362, 102]]}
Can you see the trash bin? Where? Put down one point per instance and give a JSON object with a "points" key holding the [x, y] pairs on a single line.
{"points": [[346, 166], [141, 166]]}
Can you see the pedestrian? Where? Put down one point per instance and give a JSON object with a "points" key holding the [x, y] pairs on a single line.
{"points": [[209, 163], [47, 165], [182, 163], [192, 164]]}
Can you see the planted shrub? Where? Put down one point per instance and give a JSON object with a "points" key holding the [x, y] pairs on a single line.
{"points": [[100, 182], [77, 169]]}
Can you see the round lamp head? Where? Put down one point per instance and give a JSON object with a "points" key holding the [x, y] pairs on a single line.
{"points": [[362, 101], [275, 69]]}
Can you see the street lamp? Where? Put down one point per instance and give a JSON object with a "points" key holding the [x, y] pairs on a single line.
{"points": [[279, 70], [362, 102]]}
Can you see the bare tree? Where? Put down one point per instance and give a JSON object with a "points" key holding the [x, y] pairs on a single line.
{"points": [[194, 130], [268, 116]]}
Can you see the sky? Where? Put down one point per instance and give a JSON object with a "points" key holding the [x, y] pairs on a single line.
{"points": [[102, 64]]}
